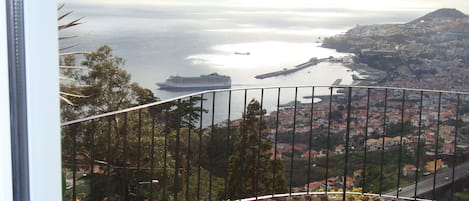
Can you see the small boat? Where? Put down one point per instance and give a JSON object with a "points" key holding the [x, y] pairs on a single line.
{"points": [[242, 53]]}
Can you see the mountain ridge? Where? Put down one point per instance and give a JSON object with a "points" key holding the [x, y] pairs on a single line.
{"points": [[441, 13]]}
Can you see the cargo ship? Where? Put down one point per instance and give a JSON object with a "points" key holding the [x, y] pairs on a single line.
{"points": [[204, 82]]}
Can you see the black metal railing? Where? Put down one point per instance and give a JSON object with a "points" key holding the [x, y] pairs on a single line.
{"points": [[272, 142]]}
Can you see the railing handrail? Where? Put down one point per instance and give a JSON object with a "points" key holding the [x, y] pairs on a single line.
{"points": [[329, 193], [247, 88], [135, 134]]}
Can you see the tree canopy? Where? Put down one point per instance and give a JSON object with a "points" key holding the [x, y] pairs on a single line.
{"points": [[251, 170], [105, 84]]}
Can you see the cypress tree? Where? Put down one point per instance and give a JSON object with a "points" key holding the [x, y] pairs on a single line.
{"points": [[251, 167]]}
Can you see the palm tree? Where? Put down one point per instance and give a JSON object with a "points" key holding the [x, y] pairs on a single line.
{"points": [[67, 61]]}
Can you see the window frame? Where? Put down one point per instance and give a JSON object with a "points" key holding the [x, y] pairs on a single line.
{"points": [[31, 136], [5, 144]]}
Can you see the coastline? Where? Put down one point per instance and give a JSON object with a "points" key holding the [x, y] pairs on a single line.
{"points": [[368, 76]]}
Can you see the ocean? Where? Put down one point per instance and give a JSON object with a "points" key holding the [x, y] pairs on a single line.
{"points": [[157, 42]]}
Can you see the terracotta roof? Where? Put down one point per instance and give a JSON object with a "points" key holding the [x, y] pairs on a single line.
{"points": [[313, 185], [409, 166]]}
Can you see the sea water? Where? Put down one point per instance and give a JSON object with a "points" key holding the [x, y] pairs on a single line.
{"points": [[159, 41]]}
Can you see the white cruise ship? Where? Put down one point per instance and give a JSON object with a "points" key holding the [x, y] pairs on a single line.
{"points": [[210, 81]]}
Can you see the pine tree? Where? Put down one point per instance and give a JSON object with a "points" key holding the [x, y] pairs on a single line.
{"points": [[251, 170]]}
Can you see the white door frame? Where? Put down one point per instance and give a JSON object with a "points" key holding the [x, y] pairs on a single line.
{"points": [[5, 148], [35, 56]]}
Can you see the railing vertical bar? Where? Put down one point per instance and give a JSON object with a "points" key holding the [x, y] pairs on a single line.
{"points": [[176, 151], [456, 131], [276, 141], [436, 146], [199, 169], [125, 156], [366, 139], [400, 143], [139, 149], [382, 146], [108, 128], [165, 154], [293, 142], [109, 153], [310, 139], [329, 123], [259, 143], [228, 145], [74, 161], [92, 156], [417, 165], [118, 150], [212, 133], [347, 141], [152, 151], [243, 144], [189, 148]]}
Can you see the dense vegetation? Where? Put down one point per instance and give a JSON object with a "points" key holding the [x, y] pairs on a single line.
{"points": [[118, 155]]}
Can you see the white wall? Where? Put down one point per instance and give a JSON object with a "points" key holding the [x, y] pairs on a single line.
{"points": [[42, 75], [5, 148]]}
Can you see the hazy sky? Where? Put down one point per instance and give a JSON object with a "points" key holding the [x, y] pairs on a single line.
{"points": [[463, 5]]}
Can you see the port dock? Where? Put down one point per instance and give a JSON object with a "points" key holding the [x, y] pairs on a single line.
{"points": [[313, 61]]}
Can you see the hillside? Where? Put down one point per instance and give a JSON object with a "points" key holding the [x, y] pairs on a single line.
{"points": [[431, 51], [450, 13], [434, 29]]}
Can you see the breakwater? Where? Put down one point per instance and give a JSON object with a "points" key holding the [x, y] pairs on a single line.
{"points": [[313, 61]]}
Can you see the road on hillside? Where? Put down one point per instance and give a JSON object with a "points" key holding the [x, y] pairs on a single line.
{"points": [[426, 185]]}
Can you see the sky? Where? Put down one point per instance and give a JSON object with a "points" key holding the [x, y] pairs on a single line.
{"points": [[375, 5]]}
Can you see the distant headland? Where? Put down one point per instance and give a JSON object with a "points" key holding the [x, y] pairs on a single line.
{"points": [[430, 52]]}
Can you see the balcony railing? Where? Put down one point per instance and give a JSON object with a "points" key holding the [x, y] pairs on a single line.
{"points": [[258, 143]]}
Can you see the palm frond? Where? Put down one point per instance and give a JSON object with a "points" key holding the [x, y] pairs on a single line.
{"points": [[70, 24], [73, 53], [64, 15], [73, 95], [67, 37], [67, 78], [66, 100], [64, 25], [74, 67], [69, 47], [61, 6]]}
